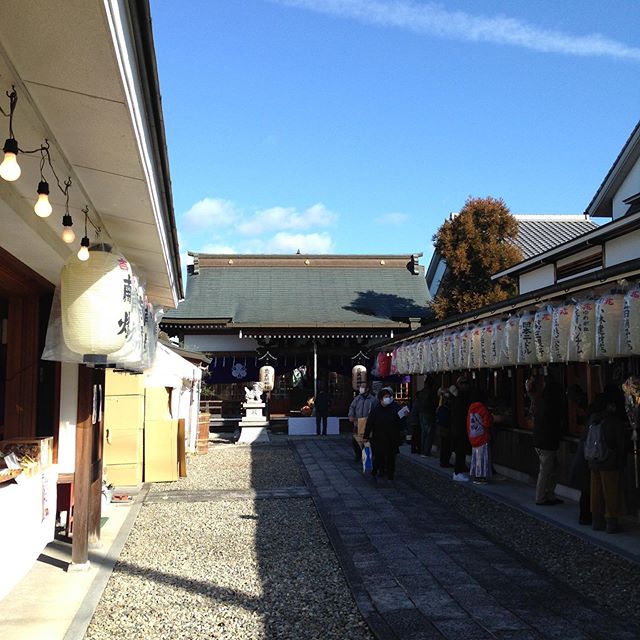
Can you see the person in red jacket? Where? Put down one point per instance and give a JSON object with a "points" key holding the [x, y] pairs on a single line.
{"points": [[479, 421]]}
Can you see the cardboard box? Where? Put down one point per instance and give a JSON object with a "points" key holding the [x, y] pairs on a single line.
{"points": [[124, 475], [157, 403], [123, 446], [160, 450], [119, 383], [124, 412]]}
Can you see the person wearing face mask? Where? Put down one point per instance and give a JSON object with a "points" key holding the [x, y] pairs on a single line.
{"points": [[359, 410], [384, 431]]}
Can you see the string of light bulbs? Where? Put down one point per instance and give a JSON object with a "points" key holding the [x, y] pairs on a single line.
{"points": [[10, 171]]}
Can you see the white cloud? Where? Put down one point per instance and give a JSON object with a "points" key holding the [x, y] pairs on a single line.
{"points": [[210, 213], [292, 242], [433, 19], [277, 218], [217, 248], [392, 218]]}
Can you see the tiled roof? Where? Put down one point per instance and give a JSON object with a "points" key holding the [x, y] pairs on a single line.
{"points": [[537, 234], [341, 296]]}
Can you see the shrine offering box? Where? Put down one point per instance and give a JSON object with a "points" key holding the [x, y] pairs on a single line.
{"points": [[39, 449]]}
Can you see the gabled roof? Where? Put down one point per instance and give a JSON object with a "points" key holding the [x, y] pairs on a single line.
{"points": [[601, 204], [304, 291], [539, 233]]}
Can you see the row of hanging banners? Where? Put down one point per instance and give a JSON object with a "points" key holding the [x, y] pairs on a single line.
{"points": [[577, 331]]}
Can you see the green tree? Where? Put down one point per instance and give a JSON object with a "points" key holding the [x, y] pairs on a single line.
{"points": [[475, 244]]}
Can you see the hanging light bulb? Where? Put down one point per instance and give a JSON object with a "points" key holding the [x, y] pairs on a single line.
{"points": [[83, 252], [68, 234], [10, 169], [43, 207]]}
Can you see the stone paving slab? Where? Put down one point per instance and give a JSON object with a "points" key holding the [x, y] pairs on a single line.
{"points": [[419, 570]]}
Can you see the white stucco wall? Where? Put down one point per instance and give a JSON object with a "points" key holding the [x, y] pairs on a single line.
{"points": [[542, 277], [219, 343], [621, 249], [68, 417], [630, 187]]}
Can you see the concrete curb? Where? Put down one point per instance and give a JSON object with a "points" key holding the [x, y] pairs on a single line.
{"points": [[80, 623]]}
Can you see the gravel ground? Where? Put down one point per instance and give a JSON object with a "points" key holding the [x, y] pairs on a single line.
{"points": [[230, 466], [591, 571], [229, 569]]}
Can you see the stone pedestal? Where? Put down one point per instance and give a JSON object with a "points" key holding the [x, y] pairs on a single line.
{"points": [[253, 427]]}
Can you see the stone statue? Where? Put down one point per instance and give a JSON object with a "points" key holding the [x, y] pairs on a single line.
{"points": [[255, 393]]}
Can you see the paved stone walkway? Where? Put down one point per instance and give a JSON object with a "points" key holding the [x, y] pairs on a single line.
{"points": [[419, 571]]}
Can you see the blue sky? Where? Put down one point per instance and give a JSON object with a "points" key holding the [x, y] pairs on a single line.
{"points": [[356, 126]]}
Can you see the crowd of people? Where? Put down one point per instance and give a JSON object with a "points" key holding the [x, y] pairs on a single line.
{"points": [[459, 420]]}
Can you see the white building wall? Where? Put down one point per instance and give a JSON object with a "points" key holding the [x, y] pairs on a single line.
{"points": [[219, 343], [630, 187], [621, 249], [542, 277], [68, 417]]}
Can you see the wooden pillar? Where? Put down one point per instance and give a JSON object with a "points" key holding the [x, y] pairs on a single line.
{"points": [[88, 472], [22, 368]]}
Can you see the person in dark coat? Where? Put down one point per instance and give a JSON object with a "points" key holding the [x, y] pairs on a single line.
{"points": [[580, 474], [443, 422], [460, 401], [427, 399], [547, 431], [606, 475], [383, 431], [321, 409]]}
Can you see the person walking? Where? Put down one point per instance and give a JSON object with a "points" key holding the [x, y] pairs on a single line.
{"points": [[546, 437], [605, 452], [479, 422], [359, 410], [427, 399], [459, 409], [321, 409], [384, 430], [443, 424]]}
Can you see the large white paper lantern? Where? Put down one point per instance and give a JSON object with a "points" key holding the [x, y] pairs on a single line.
{"points": [[630, 336], [456, 337], [267, 377], [475, 348], [609, 310], [509, 352], [358, 376], [424, 356], [542, 322], [131, 354], [96, 303], [583, 331], [561, 320]]}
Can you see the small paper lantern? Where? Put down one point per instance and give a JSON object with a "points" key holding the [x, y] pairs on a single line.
{"points": [[437, 353], [609, 310], [465, 347], [630, 337], [495, 347], [394, 362], [486, 344], [384, 364], [96, 303], [426, 355], [475, 348], [583, 331], [526, 351], [561, 332], [542, 322], [509, 352], [358, 376], [267, 377], [448, 345], [457, 337]]}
